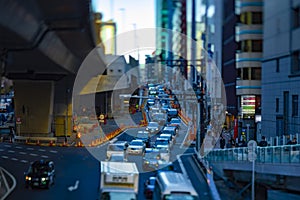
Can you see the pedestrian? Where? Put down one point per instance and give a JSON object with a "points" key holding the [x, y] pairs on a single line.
{"points": [[292, 142], [229, 144], [12, 134], [222, 142], [263, 142]]}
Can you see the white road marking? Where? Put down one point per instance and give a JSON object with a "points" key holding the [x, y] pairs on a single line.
{"points": [[42, 150], [11, 151], [1, 149], [24, 161], [21, 152], [7, 145], [15, 159], [43, 156], [29, 148], [18, 147], [52, 151], [4, 157], [71, 188], [33, 154]]}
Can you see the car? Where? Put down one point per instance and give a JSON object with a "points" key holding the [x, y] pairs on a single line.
{"points": [[172, 113], [162, 143], [149, 187], [136, 147], [150, 102], [170, 130], [170, 137], [40, 174], [117, 158], [160, 118], [151, 159], [118, 147], [153, 127], [143, 135], [175, 122]]}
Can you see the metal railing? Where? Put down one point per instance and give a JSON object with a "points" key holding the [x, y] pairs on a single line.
{"points": [[271, 154]]}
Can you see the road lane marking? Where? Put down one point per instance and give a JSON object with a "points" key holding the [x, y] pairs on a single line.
{"points": [[15, 159], [43, 156], [42, 150], [1, 149], [4, 157], [33, 154], [18, 147], [71, 188], [7, 145], [21, 152], [11, 151], [52, 151], [24, 161], [29, 148]]}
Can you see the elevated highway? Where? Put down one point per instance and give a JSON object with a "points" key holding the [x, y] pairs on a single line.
{"points": [[42, 45]]}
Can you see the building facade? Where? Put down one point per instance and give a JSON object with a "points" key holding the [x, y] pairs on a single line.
{"points": [[281, 68]]}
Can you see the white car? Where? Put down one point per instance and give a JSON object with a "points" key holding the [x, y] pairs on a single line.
{"points": [[153, 127], [136, 147]]}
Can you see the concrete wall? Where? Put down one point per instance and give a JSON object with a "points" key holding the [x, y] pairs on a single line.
{"points": [[34, 105]]}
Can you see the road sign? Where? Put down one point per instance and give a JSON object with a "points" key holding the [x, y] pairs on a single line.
{"points": [[252, 156], [252, 145], [18, 120]]}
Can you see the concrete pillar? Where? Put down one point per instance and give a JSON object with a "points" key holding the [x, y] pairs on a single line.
{"points": [[34, 105]]}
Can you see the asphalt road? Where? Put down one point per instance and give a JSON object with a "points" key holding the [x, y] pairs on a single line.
{"points": [[82, 165]]}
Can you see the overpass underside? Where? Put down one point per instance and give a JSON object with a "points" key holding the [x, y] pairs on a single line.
{"points": [[42, 46]]}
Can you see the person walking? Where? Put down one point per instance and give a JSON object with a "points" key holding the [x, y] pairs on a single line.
{"points": [[263, 142], [222, 142]]}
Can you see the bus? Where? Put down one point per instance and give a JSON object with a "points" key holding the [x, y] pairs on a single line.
{"points": [[170, 185]]}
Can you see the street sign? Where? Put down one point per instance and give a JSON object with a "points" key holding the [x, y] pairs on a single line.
{"points": [[18, 120], [252, 156], [252, 145]]}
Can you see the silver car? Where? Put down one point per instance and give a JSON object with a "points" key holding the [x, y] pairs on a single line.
{"points": [[153, 127], [136, 147]]}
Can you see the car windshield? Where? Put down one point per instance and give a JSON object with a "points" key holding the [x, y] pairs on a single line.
{"points": [[136, 143], [162, 142], [175, 121], [153, 124], [154, 155]]}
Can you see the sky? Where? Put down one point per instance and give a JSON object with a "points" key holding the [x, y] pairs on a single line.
{"points": [[129, 15]]}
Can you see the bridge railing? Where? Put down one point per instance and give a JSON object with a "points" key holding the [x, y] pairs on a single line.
{"points": [[271, 154]]}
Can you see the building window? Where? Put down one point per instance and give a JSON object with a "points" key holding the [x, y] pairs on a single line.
{"points": [[294, 105], [277, 105], [256, 73], [257, 46], [245, 74], [277, 65], [257, 18], [296, 62], [296, 17]]}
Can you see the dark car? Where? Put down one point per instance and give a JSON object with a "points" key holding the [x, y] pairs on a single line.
{"points": [[170, 130], [40, 174], [172, 113], [149, 187]]}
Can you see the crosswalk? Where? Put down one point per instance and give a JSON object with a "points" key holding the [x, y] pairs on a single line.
{"points": [[24, 154]]}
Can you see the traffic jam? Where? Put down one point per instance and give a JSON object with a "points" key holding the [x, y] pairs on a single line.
{"points": [[152, 149]]}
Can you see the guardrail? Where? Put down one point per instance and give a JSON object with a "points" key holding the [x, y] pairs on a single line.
{"points": [[271, 154]]}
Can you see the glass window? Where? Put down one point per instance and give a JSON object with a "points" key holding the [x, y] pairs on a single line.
{"points": [[296, 17], [296, 62], [245, 73], [277, 105], [257, 45], [277, 65], [257, 18], [294, 105], [256, 73]]}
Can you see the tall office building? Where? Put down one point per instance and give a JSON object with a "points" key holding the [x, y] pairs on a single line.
{"points": [[281, 68]]}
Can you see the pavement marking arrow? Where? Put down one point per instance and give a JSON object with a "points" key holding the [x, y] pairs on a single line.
{"points": [[71, 188]]}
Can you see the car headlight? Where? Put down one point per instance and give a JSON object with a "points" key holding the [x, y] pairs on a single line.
{"points": [[44, 178], [147, 162], [28, 178]]}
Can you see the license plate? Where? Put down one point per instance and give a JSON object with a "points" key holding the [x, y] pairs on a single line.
{"points": [[35, 184]]}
